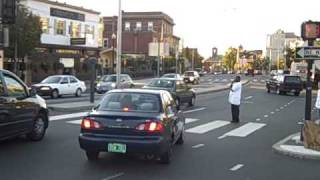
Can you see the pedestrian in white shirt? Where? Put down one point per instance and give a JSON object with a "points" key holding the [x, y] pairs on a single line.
{"points": [[235, 98], [318, 102]]}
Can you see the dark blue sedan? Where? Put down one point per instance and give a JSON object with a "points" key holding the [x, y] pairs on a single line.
{"points": [[133, 121]]}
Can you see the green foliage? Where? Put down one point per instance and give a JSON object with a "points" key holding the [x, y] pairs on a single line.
{"points": [[230, 58], [27, 31]]}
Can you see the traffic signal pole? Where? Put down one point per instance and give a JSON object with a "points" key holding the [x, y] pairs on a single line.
{"points": [[307, 116]]}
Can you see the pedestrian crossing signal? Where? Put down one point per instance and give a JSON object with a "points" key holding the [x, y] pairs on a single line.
{"points": [[310, 30]]}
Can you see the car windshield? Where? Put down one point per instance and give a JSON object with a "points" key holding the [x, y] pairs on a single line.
{"points": [[293, 79], [189, 73], [169, 76], [162, 83], [52, 80], [130, 102], [109, 78]]}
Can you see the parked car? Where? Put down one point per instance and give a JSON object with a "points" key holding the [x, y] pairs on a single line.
{"points": [[249, 72], [22, 112], [108, 82], [180, 92], [133, 121], [172, 76], [191, 77], [59, 85], [283, 84]]}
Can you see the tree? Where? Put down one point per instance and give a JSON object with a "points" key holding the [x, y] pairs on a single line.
{"points": [[26, 32], [230, 58], [290, 56]]}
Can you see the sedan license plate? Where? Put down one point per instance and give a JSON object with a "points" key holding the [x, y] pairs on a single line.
{"points": [[117, 148]]}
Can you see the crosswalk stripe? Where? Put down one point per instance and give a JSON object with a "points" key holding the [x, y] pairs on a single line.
{"points": [[244, 130], [67, 116], [188, 120], [207, 127]]}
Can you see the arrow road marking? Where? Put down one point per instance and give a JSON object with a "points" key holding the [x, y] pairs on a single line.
{"points": [[236, 167]]}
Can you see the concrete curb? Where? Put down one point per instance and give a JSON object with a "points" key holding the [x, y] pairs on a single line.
{"points": [[83, 108], [277, 148]]}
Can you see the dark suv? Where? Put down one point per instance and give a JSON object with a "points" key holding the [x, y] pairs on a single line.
{"points": [[22, 112], [283, 84]]}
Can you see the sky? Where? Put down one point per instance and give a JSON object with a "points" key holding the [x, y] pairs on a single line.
{"points": [[205, 24]]}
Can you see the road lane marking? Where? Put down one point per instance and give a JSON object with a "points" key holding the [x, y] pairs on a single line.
{"points": [[265, 116], [300, 123], [244, 130], [197, 146], [281, 107], [204, 128], [190, 120], [67, 116], [114, 176], [271, 112], [249, 97], [194, 110], [236, 167], [258, 119], [285, 105], [277, 110]]}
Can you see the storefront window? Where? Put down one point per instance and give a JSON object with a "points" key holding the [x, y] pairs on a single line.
{"points": [[44, 24], [60, 27], [89, 31], [75, 30]]}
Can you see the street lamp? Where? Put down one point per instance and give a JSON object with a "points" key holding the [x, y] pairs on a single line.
{"points": [[113, 37]]}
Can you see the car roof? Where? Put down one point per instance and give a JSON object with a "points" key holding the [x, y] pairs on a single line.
{"points": [[61, 76], [147, 91], [171, 79]]}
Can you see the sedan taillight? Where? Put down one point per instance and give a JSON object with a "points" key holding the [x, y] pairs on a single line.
{"points": [[88, 123], [151, 127]]}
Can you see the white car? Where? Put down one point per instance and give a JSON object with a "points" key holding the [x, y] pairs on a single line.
{"points": [[58, 85], [191, 77], [172, 76]]}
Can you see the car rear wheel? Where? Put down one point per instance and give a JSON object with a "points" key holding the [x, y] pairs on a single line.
{"points": [[92, 155], [192, 101], [55, 94], [78, 92], [38, 129]]}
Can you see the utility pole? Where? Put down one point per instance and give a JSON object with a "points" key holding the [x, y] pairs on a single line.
{"points": [[192, 60], [119, 43]]}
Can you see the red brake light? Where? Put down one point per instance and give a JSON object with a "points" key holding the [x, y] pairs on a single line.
{"points": [[88, 123], [150, 127]]}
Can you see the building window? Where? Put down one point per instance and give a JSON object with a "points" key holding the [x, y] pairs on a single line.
{"points": [[127, 26], [44, 25], [60, 27], [75, 30], [89, 31], [150, 26], [106, 42], [138, 26]]}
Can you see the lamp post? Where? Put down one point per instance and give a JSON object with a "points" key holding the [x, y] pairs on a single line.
{"points": [[119, 42], [113, 37]]}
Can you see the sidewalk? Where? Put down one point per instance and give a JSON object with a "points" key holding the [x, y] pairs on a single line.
{"points": [[85, 105], [292, 146]]}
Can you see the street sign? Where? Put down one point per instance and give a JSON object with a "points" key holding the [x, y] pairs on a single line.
{"points": [[308, 53], [77, 41]]}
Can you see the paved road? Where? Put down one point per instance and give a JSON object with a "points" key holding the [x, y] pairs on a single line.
{"points": [[214, 148]]}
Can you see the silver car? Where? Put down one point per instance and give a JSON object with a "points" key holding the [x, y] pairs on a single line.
{"points": [[108, 82]]}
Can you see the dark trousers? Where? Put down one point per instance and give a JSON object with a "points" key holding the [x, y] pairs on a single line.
{"points": [[235, 109]]}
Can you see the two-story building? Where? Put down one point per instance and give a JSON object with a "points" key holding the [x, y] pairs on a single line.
{"points": [[140, 32], [70, 35]]}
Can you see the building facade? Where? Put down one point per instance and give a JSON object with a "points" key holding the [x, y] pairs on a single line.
{"points": [[141, 32], [70, 35], [277, 44]]}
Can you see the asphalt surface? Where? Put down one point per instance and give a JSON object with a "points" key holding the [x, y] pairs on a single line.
{"points": [[225, 153]]}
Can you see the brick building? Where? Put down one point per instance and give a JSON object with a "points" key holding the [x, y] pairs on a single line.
{"points": [[139, 29]]}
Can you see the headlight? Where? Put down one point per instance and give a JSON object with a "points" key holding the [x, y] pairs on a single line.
{"points": [[98, 85], [113, 85], [45, 88], [191, 78]]}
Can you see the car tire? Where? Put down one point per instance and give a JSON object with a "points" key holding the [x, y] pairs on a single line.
{"points": [[192, 101], [55, 94], [38, 128], [180, 141], [92, 155], [166, 157], [297, 93], [78, 92]]}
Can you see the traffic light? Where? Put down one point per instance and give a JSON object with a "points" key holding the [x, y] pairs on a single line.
{"points": [[310, 30], [8, 11]]}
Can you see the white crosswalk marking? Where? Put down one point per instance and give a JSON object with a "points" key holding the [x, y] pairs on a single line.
{"points": [[67, 116], [255, 80], [74, 122], [207, 127], [244, 130]]}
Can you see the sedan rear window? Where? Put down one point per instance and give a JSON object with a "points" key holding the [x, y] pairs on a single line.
{"points": [[130, 102], [163, 83], [189, 73], [52, 80], [293, 79]]}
